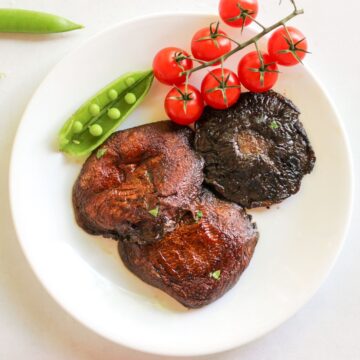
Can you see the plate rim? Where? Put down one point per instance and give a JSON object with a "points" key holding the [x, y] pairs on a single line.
{"points": [[214, 349]]}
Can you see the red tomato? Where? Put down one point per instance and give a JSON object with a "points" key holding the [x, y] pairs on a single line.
{"points": [[208, 43], [287, 47], [236, 12], [250, 69], [184, 106], [169, 63], [220, 88]]}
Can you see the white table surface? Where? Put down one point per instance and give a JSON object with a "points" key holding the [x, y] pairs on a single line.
{"points": [[33, 326]]}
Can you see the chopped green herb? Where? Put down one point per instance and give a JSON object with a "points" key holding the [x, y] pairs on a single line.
{"points": [[216, 274], [100, 153], [198, 215], [154, 212], [149, 175], [274, 125]]}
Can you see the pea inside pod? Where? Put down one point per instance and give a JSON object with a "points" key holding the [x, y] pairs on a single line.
{"points": [[34, 22], [99, 116]]}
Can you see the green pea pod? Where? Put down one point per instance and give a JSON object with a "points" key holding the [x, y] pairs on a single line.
{"points": [[34, 22], [100, 116]]}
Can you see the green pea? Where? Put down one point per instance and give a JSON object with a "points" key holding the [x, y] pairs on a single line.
{"points": [[34, 22], [94, 109], [130, 81], [130, 98], [114, 113], [96, 130], [77, 127], [113, 94]]}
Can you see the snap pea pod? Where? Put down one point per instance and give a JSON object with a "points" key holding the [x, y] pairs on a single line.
{"points": [[34, 22], [99, 117]]}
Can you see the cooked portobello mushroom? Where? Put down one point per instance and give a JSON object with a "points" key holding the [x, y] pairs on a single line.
{"points": [[202, 258], [257, 152], [136, 186]]}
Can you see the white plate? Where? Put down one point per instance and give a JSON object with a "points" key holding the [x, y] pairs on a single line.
{"points": [[299, 241]]}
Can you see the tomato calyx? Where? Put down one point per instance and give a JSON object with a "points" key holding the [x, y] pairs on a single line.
{"points": [[184, 104], [293, 47], [243, 15], [180, 56], [264, 67], [222, 85], [214, 34], [184, 96]]}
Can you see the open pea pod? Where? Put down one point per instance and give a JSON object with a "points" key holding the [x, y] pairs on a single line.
{"points": [[100, 116]]}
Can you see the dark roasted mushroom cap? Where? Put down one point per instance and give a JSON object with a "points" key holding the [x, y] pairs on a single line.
{"points": [[256, 152], [138, 188], [202, 258]]}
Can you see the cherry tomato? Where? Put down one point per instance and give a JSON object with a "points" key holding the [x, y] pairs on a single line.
{"points": [[220, 88], [287, 47], [209, 43], [169, 63], [184, 105], [257, 75], [238, 13]]}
